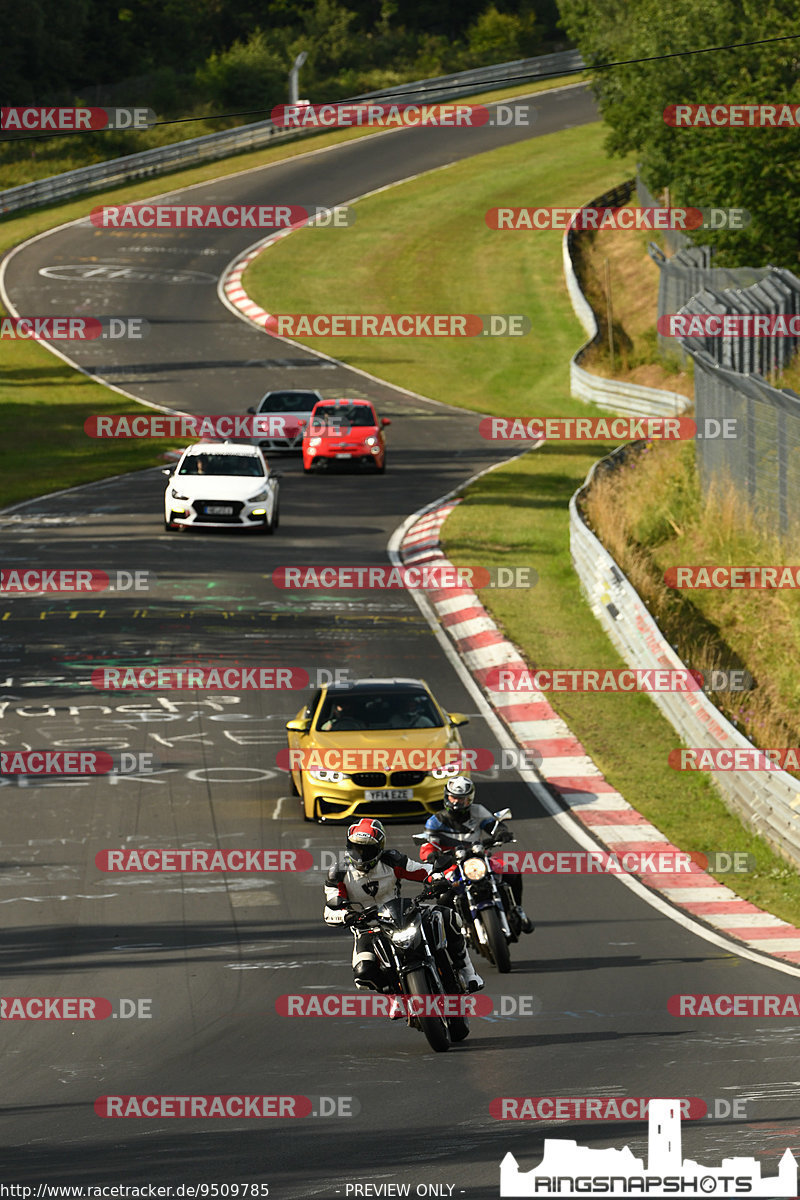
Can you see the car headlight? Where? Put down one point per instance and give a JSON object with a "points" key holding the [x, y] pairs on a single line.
{"points": [[177, 495], [323, 776], [262, 495], [474, 868], [404, 937], [315, 441], [445, 772], [370, 441]]}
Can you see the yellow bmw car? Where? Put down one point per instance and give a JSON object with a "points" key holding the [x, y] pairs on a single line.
{"points": [[374, 747]]}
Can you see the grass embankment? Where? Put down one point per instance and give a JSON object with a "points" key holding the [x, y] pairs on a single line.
{"points": [[44, 402], [424, 247]]}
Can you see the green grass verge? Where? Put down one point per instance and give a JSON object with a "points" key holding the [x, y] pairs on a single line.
{"points": [[424, 247], [44, 402]]}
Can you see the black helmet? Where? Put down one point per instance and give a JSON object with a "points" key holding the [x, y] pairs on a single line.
{"points": [[459, 794], [366, 842]]}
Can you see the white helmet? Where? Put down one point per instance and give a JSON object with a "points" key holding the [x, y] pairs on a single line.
{"points": [[459, 794]]}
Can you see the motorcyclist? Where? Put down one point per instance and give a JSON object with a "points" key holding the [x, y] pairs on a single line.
{"points": [[462, 822], [371, 874]]}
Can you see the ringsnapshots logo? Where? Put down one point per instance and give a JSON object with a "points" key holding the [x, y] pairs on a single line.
{"points": [[221, 216], [72, 329], [425, 577], [587, 218], [568, 1169], [397, 325], [44, 119]]}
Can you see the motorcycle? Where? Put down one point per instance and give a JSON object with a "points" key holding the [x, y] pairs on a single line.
{"points": [[411, 947], [484, 904]]}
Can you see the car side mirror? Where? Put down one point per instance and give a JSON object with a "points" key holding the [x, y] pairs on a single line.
{"points": [[503, 815], [275, 475], [301, 424], [458, 719], [251, 409], [386, 420], [299, 725], [168, 471]]}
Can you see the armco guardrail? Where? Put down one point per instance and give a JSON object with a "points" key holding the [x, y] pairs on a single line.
{"points": [[612, 394], [766, 802], [164, 159]]}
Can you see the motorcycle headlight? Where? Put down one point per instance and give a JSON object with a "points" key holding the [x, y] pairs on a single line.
{"points": [[176, 495], [323, 776], [262, 495], [404, 937], [445, 772], [474, 868]]}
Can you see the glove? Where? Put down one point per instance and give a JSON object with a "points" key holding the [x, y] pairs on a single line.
{"points": [[351, 917], [504, 835]]}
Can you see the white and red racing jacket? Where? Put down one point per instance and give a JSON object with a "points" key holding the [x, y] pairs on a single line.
{"points": [[345, 885]]}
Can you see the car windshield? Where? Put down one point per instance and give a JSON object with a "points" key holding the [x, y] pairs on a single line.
{"points": [[382, 709], [344, 417], [288, 402], [222, 464]]}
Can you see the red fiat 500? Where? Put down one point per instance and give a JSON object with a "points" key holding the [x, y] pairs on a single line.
{"points": [[342, 431]]}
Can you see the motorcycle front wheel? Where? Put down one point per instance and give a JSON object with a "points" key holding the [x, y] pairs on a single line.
{"points": [[434, 1028], [498, 946]]}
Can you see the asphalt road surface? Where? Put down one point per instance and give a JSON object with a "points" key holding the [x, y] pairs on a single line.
{"points": [[211, 953]]}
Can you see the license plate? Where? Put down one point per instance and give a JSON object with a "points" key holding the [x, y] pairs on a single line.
{"points": [[219, 510], [390, 794], [346, 454]]}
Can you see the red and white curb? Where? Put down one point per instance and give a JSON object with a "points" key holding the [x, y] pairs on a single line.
{"points": [[232, 283], [567, 768]]}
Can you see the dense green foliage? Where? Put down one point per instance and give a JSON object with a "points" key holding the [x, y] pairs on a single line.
{"points": [[751, 168]]}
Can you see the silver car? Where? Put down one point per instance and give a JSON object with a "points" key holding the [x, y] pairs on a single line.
{"points": [[295, 406]]}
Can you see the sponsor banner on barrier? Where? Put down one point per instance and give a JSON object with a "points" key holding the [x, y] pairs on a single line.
{"points": [[203, 861], [594, 679], [70, 120], [731, 116], [734, 758], [425, 576], [587, 429]]}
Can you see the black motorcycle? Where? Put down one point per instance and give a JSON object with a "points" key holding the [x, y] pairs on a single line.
{"points": [[411, 948], [483, 902]]}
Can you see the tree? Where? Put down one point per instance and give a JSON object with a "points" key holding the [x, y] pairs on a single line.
{"points": [[752, 168]]}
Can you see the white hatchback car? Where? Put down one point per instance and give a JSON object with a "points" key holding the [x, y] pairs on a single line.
{"points": [[222, 485]]}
